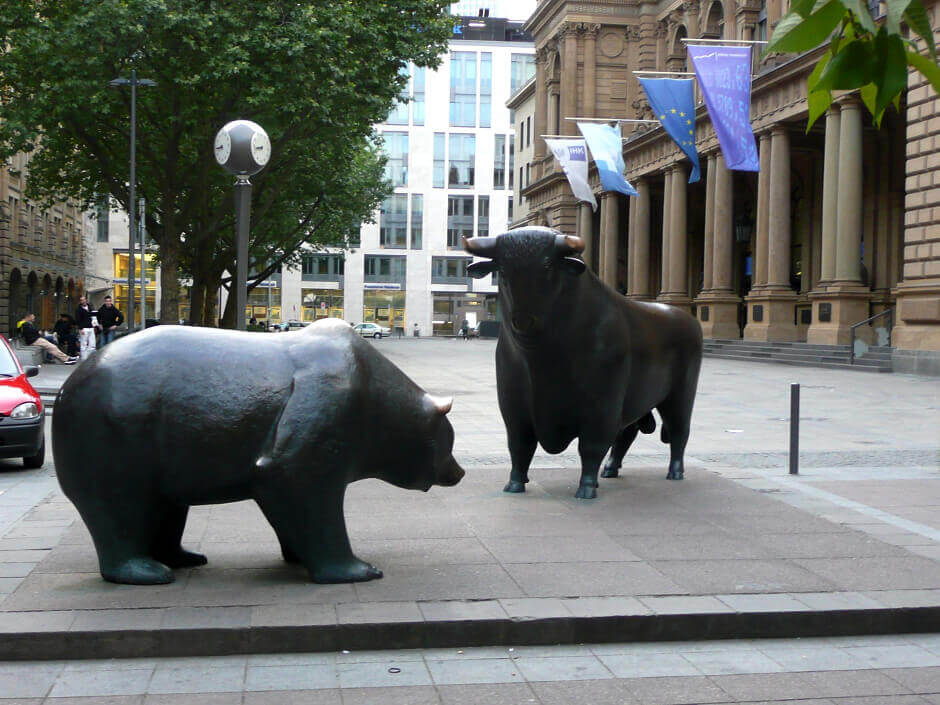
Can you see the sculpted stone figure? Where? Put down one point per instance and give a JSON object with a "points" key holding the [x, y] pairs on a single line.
{"points": [[577, 360], [176, 416]]}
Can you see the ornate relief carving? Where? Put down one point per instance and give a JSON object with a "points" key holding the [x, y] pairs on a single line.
{"points": [[611, 45], [589, 29], [691, 7], [662, 29], [632, 33]]}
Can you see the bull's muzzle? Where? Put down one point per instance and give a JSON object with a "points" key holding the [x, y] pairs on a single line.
{"points": [[450, 474]]}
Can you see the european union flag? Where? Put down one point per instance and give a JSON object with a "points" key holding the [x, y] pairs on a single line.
{"points": [[674, 106]]}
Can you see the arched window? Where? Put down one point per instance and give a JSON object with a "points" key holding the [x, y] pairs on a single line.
{"points": [[715, 22]]}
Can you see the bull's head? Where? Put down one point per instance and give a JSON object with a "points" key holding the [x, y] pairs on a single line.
{"points": [[535, 266]]}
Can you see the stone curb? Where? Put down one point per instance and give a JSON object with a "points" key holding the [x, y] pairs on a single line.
{"points": [[447, 633]]}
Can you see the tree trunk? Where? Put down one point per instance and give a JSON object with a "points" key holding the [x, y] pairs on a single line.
{"points": [[210, 317], [197, 296], [169, 279]]}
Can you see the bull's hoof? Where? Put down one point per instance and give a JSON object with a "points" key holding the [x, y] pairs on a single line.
{"points": [[675, 474], [289, 556], [586, 492], [514, 486], [139, 571], [610, 471], [183, 559], [351, 570]]}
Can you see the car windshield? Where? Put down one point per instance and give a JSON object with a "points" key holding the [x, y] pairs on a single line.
{"points": [[7, 363]]}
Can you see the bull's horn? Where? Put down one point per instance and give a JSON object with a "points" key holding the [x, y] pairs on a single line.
{"points": [[480, 246], [442, 405], [569, 244]]}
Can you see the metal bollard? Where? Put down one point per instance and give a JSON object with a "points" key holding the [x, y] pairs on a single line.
{"points": [[794, 428]]}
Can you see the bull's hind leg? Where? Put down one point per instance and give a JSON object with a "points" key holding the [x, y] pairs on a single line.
{"points": [[521, 449], [676, 413], [167, 546], [619, 449]]}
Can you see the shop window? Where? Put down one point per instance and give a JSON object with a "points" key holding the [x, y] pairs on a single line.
{"points": [[321, 303], [385, 307]]}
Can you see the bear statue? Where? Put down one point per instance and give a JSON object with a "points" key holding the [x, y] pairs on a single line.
{"points": [[176, 416]]}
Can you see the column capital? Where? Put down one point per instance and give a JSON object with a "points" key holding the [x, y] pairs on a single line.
{"points": [[779, 129], [848, 102], [632, 33], [590, 30]]}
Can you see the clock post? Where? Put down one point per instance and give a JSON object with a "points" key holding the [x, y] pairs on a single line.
{"points": [[243, 148]]}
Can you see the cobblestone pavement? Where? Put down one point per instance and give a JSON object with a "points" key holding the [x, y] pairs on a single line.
{"points": [[895, 670]]}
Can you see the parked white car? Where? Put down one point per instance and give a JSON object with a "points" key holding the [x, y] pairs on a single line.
{"points": [[372, 330]]}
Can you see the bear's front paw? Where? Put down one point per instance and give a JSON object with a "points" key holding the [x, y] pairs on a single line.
{"points": [[351, 570]]}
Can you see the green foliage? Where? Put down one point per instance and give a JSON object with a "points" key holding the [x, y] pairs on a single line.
{"points": [[861, 55], [316, 74]]}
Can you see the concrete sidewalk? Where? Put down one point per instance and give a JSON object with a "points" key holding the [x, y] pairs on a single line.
{"points": [[739, 549]]}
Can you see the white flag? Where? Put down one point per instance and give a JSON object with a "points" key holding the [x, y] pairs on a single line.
{"points": [[572, 155]]}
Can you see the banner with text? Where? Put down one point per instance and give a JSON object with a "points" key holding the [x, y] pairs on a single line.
{"points": [[606, 145], [673, 103], [572, 155], [724, 73]]}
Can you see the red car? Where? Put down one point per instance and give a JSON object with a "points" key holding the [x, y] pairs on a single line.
{"points": [[22, 417]]}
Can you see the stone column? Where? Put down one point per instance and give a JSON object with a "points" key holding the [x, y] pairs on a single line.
{"points": [[541, 103], [830, 196], [609, 234], [724, 228], [667, 239], [585, 231], [849, 227], [590, 70], [778, 270], [641, 247], [569, 82], [882, 258], [708, 257], [631, 247], [678, 237], [763, 213]]}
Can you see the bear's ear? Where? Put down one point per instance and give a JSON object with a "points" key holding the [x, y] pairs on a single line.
{"points": [[478, 270], [574, 266]]}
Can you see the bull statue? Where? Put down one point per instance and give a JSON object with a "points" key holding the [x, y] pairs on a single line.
{"points": [[175, 416], [575, 359]]}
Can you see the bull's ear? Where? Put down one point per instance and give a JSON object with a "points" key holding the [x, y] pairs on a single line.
{"points": [[478, 270], [574, 266]]}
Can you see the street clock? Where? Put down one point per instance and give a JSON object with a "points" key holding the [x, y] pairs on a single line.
{"points": [[242, 147]]}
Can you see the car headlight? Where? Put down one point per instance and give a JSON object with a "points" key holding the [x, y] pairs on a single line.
{"points": [[28, 410]]}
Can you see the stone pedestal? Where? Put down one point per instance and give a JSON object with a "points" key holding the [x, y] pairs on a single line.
{"points": [[680, 301], [770, 316], [718, 315], [836, 309]]}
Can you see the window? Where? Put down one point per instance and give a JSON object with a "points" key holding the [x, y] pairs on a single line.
{"points": [[417, 220], [395, 145], [509, 212], [483, 216], [418, 82], [521, 135], [321, 303], [528, 131], [463, 88], [385, 269], [320, 266], [102, 216], [393, 221], [438, 160], [522, 68], [445, 270], [462, 161], [499, 162], [459, 220], [521, 180], [762, 22], [512, 161], [399, 114], [486, 88]]}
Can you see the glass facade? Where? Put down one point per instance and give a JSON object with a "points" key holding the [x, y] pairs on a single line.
{"points": [[459, 220], [321, 303], [395, 145], [322, 266], [439, 160], [264, 304], [399, 114], [418, 86], [499, 161], [393, 221], [462, 168], [385, 307], [449, 270], [463, 88], [451, 309], [522, 68], [385, 269], [417, 221], [486, 88], [121, 269], [483, 216]]}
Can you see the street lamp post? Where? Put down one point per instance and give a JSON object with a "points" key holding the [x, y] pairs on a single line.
{"points": [[133, 82], [143, 264]]}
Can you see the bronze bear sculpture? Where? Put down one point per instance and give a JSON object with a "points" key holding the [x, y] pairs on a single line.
{"points": [[575, 359], [174, 416]]}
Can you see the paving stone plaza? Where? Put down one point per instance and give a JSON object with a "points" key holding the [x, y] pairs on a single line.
{"points": [[740, 584]]}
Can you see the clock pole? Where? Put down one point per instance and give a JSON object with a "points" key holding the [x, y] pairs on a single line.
{"points": [[243, 218]]}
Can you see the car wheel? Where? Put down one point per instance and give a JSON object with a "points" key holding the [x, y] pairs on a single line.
{"points": [[32, 462], [378, 335]]}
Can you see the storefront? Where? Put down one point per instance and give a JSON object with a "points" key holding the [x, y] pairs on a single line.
{"points": [[121, 268], [386, 307], [264, 303], [321, 303], [451, 309]]}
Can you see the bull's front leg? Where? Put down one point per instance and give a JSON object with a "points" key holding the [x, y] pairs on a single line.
{"points": [[521, 449], [591, 454]]}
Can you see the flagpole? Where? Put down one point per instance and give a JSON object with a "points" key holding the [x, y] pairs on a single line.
{"points": [[665, 73], [587, 119], [721, 41]]}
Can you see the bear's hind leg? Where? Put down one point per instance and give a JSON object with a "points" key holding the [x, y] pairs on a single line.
{"points": [[166, 546]]}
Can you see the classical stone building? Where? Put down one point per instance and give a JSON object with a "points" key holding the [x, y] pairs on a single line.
{"points": [[842, 221], [41, 252]]}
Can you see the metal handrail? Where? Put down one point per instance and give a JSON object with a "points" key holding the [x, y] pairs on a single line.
{"points": [[887, 312]]}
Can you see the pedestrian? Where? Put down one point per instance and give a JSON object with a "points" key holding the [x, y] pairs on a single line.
{"points": [[66, 334], [85, 320], [109, 318], [465, 329], [31, 337], [417, 332]]}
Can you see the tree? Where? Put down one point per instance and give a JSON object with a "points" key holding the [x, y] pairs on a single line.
{"points": [[861, 55], [316, 74]]}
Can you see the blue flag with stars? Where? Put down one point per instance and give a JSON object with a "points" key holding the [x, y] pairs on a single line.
{"points": [[673, 104]]}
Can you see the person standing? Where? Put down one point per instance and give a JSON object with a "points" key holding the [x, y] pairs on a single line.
{"points": [[85, 320], [64, 330], [109, 318], [31, 337]]}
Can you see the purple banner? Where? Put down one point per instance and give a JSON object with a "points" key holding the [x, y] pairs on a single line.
{"points": [[724, 73]]}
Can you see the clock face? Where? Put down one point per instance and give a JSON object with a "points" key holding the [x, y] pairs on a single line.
{"points": [[260, 148], [223, 146]]}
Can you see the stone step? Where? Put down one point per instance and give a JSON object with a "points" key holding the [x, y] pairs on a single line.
{"points": [[799, 362]]}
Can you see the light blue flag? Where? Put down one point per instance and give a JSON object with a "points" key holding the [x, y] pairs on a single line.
{"points": [[606, 147], [673, 103]]}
